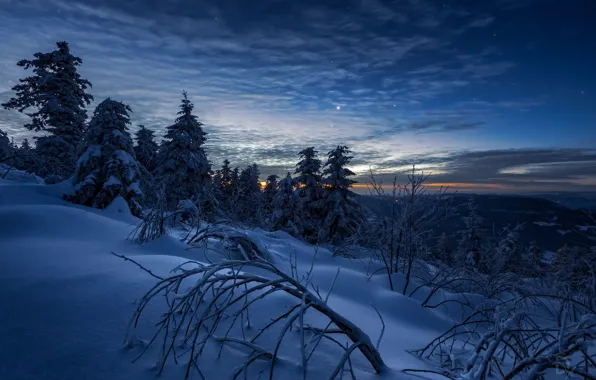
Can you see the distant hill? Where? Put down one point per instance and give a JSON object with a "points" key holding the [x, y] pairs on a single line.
{"points": [[576, 201], [549, 223]]}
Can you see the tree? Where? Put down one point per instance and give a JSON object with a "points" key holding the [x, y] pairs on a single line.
{"points": [[108, 167], [5, 146], [310, 191], [183, 166], [286, 214], [309, 175], [249, 197], [59, 94], [269, 192], [343, 215], [146, 148], [223, 187], [508, 255], [26, 159]]}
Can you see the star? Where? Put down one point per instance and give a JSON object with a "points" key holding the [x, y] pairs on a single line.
{"points": [[338, 108]]}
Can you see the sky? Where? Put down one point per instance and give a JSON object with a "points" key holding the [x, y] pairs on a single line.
{"points": [[487, 96]]}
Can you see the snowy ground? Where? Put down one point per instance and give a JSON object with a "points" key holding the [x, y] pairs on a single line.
{"points": [[66, 300]]}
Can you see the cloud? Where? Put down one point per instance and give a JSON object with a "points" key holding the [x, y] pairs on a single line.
{"points": [[511, 169], [267, 76], [433, 126]]}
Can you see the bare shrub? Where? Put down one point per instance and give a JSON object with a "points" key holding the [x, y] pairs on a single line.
{"points": [[220, 298], [524, 336], [402, 238]]}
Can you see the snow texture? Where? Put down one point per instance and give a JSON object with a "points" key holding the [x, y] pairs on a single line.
{"points": [[66, 300]]}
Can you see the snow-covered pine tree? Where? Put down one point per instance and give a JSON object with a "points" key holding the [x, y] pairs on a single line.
{"points": [[343, 215], [507, 256], [470, 246], [25, 158], [5, 146], [59, 94], [183, 166], [310, 190], [309, 175], [286, 214], [223, 186], [269, 192], [146, 148], [249, 208], [108, 167]]}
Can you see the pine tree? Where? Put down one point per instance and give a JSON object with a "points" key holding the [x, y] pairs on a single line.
{"points": [[269, 192], [310, 190], [508, 253], [343, 215], [183, 166], [286, 214], [309, 175], [58, 93], [108, 167], [25, 158], [146, 148], [249, 198], [5, 146]]}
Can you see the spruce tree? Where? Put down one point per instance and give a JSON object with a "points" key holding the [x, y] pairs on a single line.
{"points": [[108, 167], [146, 148], [286, 208], [343, 215], [249, 198], [5, 147], [508, 254], [58, 93], [25, 157], [225, 183], [310, 191], [182, 164], [309, 175], [269, 192]]}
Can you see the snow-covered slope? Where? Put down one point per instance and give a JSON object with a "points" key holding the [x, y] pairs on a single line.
{"points": [[65, 300]]}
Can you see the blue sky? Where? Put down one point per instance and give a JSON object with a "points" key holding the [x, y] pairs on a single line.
{"points": [[496, 95]]}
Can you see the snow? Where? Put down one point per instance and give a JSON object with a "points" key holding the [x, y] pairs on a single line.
{"points": [[563, 232], [546, 224], [66, 300], [586, 228], [12, 174]]}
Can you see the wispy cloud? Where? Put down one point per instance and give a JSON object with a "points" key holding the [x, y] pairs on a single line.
{"points": [[269, 77]]}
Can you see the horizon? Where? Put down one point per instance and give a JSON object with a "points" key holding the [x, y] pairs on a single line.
{"points": [[481, 95]]}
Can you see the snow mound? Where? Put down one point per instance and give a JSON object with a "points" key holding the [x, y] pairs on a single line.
{"points": [[12, 174], [66, 300]]}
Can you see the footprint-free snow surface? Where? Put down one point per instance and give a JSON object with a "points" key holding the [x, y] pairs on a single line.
{"points": [[66, 301]]}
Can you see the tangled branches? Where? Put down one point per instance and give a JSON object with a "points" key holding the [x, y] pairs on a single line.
{"points": [[238, 245], [506, 339], [219, 301]]}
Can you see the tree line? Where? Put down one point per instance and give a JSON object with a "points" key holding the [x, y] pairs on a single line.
{"points": [[104, 161]]}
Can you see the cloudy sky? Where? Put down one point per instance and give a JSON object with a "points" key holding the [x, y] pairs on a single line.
{"points": [[491, 95]]}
